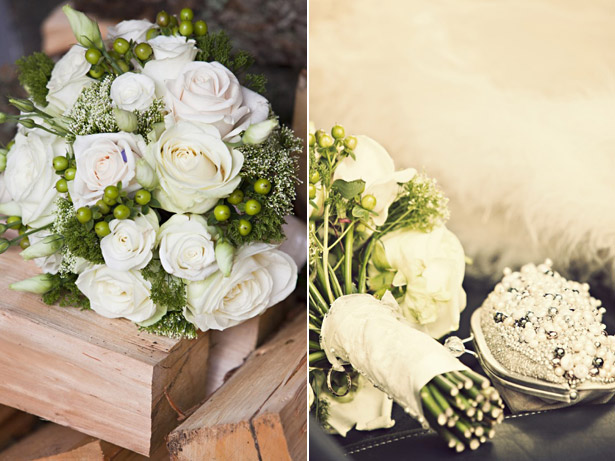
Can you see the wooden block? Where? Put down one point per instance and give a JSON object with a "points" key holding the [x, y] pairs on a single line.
{"points": [[263, 404], [99, 376], [230, 348], [14, 424], [58, 443]]}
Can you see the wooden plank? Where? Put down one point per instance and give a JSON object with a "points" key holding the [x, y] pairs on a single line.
{"points": [[14, 424], [58, 443], [271, 384], [81, 370], [230, 348]]}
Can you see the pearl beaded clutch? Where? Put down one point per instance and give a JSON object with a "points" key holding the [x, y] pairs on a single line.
{"points": [[543, 335]]}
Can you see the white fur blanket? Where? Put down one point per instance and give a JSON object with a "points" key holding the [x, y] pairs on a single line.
{"points": [[511, 104]]}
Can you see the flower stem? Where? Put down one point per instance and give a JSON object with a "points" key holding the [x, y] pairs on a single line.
{"points": [[321, 303], [363, 269], [325, 255], [348, 248], [31, 231]]}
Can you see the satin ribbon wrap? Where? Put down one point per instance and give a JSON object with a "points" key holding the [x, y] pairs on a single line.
{"points": [[373, 336]]}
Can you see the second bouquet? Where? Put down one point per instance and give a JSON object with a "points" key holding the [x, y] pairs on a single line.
{"points": [[385, 283]]}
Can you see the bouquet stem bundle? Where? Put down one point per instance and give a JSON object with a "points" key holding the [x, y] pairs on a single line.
{"points": [[463, 408]]}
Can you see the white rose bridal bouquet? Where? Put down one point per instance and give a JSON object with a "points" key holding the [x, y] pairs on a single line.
{"points": [[386, 282], [149, 178]]}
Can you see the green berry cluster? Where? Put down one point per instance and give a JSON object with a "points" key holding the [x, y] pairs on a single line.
{"points": [[241, 208], [119, 58]]}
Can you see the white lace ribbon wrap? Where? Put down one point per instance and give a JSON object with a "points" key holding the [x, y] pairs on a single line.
{"points": [[373, 337]]}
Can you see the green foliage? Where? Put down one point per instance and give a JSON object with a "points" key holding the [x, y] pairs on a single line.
{"points": [[217, 47], [167, 291], [82, 242], [93, 112], [65, 292], [275, 160], [421, 205], [173, 325], [34, 74]]}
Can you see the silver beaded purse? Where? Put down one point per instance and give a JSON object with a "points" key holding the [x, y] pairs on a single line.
{"points": [[542, 335]]}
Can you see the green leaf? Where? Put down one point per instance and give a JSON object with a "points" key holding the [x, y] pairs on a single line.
{"points": [[361, 213], [349, 189]]}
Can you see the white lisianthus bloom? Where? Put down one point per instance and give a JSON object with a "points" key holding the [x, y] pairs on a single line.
{"points": [[132, 91], [129, 245], [115, 294], [132, 29], [261, 277], [104, 160], [375, 166], [68, 79], [210, 93], [429, 267], [4, 193], [186, 247], [30, 177], [171, 53], [194, 166]]}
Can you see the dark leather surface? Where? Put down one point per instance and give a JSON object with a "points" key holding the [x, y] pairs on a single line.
{"points": [[584, 432], [571, 434]]}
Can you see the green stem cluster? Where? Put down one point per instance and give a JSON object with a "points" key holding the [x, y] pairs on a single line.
{"points": [[463, 408]]}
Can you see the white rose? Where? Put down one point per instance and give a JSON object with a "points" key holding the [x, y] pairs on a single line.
{"points": [[375, 166], [104, 160], [30, 177], [187, 248], [115, 294], [68, 78], [49, 264], [429, 269], [171, 53], [129, 245], [261, 277], [132, 91], [194, 166], [132, 29], [210, 93]]}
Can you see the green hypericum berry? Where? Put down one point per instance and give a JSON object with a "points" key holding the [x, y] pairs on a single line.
{"points": [[325, 141], [312, 191], [60, 163], [109, 201], [3, 118], [173, 21], [262, 186], [13, 221], [350, 142], [222, 212], [96, 72], [312, 139], [121, 45], [368, 202], [124, 66], [315, 177], [102, 229], [186, 28], [22, 230], [253, 207], [245, 227], [112, 192], [163, 19], [104, 208], [200, 28], [236, 197], [338, 132], [143, 51], [186, 14], [142, 197], [25, 243], [84, 215], [121, 212], [70, 173], [93, 55], [152, 33], [62, 185]]}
